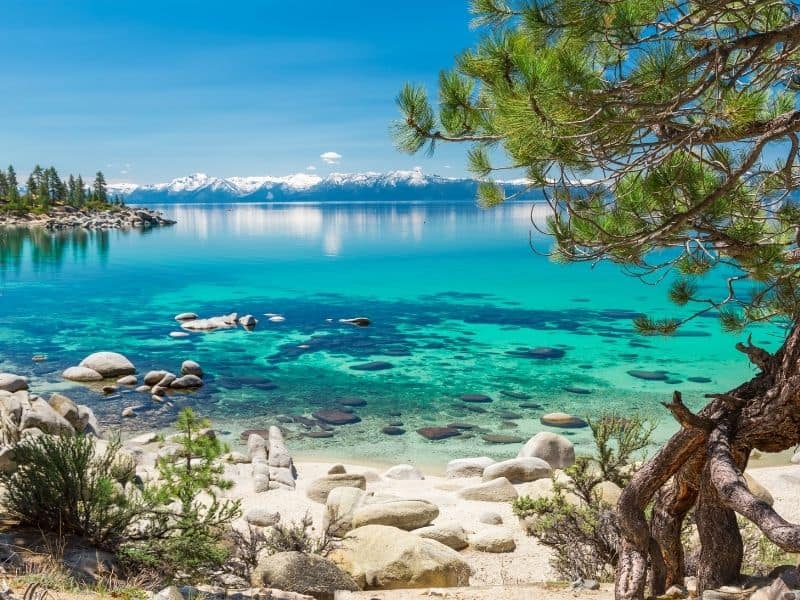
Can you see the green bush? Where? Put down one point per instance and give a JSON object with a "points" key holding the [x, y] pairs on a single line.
{"points": [[186, 527], [575, 522], [67, 485]]}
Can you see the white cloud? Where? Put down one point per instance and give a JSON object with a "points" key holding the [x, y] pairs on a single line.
{"points": [[311, 168], [331, 158]]}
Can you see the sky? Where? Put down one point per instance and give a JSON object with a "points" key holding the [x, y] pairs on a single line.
{"points": [[152, 90]]}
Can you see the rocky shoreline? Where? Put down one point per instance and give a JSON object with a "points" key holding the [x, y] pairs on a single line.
{"points": [[67, 217]]}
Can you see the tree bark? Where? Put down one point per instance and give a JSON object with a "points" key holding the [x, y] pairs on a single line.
{"points": [[700, 467]]}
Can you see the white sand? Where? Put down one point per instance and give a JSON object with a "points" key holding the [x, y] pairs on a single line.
{"points": [[528, 563]]}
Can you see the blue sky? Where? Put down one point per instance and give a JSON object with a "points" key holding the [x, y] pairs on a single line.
{"points": [[148, 91]]}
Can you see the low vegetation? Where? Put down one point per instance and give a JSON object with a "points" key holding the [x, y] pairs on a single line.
{"points": [[576, 521], [178, 525]]}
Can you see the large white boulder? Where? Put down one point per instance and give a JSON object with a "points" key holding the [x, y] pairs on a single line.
{"points": [[108, 364], [404, 514], [518, 470], [555, 449], [381, 557]]}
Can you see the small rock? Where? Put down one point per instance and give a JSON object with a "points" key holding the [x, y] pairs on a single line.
{"points": [[81, 374], [490, 518], [10, 382], [153, 377], [127, 380], [190, 367], [496, 490], [376, 365], [467, 467], [186, 316], [405, 472], [336, 417], [262, 517], [337, 470], [496, 540], [451, 535], [318, 490], [479, 398], [357, 321], [129, 412], [186, 382], [564, 420], [557, 450], [519, 470], [392, 430], [248, 321], [178, 334], [438, 433]]}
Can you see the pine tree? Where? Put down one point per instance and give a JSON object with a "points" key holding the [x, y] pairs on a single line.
{"points": [[13, 187], [100, 189], [686, 115], [3, 187], [72, 192], [80, 192]]}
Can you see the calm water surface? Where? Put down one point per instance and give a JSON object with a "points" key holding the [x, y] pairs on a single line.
{"points": [[455, 294]]}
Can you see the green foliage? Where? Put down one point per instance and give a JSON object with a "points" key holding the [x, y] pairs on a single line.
{"points": [[185, 531], [45, 189], [676, 107], [66, 485], [575, 521]]}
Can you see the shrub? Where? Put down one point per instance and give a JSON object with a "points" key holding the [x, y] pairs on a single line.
{"points": [[252, 543], [67, 485], [187, 523], [575, 522]]}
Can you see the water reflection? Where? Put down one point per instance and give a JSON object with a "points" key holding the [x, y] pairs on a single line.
{"points": [[278, 230]]}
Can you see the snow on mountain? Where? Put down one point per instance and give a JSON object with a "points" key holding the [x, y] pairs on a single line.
{"points": [[394, 185]]}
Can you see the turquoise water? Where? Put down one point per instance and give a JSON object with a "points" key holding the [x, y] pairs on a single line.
{"points": [[453, 293]]}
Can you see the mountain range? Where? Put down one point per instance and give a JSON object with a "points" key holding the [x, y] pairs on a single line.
{"points": [[391, 186]]}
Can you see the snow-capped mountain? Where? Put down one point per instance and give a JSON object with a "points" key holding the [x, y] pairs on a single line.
{"points": [[391, 186]]}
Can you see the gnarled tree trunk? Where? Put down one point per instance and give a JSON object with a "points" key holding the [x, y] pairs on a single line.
{"points": [[701, 467]]}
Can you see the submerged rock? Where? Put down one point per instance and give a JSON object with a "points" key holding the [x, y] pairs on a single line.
{"points": [[357, 321], [438, 433], [376, 365], [477, 398], [186, 316], [564, 420], [501, 438], [336, 417], [190, 367], [649, 375], [542, 353], [393, 430]]}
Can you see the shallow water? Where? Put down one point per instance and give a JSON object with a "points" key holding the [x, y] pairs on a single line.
{"points": [[454, 294]]}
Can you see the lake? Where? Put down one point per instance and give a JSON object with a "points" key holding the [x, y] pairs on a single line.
{"points": [[457, 296]]}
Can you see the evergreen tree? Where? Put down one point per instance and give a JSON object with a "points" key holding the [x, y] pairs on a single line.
{"points": [[13, 187], [100, 189], [80, 192], [72, 192], [3, 187], [686, 114]]}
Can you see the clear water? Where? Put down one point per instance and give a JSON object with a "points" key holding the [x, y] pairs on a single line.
{"points": [[450, 290]]}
